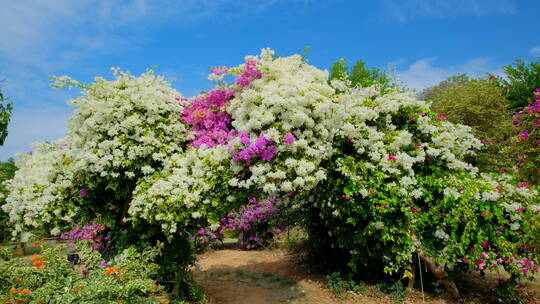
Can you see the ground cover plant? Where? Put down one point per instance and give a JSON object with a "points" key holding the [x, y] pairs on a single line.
{"points": [[377, 178], [81, 276]]}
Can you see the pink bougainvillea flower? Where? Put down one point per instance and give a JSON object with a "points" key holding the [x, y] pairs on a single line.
{"points": [[289, 138], [391, 157], [83, 192]]}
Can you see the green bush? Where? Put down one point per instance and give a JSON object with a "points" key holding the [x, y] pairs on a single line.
{"points": [[7, 171], [394, 196], [80, 275], [5, 117], [518, 81], [480, 104]]}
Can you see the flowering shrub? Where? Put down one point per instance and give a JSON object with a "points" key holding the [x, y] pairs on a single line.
{"points": [[42, 193], [400, 186], [208, 120], [525, 143], [204, 238], [189, 192], [92, 233], [377, 175], [52, 278], [125, 127], [289, 98], [257, 222], [482, 105]]}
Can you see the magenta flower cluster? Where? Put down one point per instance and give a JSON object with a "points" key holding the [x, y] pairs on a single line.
{"points": [[257, 222], [210, 123], [204, 236], [208, 120], [261, 147], [289, 139], [491, 259], [526, 135], [248, 74], [93, 233]]}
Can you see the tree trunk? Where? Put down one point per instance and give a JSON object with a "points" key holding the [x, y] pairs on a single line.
{"points": [[438, 270], [410, 284], [125, 209]]}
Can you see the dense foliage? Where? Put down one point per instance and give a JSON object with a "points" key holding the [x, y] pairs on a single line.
{"points": [[519, 80], [480, 104], [6, 108], [375, 175], [392, 186], [524, 144], [80, 277], [7, 171], [360, 75], [258, 223]]}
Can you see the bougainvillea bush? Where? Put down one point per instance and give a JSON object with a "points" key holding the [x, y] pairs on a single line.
{"points": [[257, 222], [524, 144], [400, 187], [380, 177]]}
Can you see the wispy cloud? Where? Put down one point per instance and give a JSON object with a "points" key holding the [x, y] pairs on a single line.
{"points": [[41, 38], [535, 51], [405, 10], [423, 73]]}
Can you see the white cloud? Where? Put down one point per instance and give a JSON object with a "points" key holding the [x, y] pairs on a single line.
{"points": [[405, 10], [535, 51], [422, 73], [41, 38]]}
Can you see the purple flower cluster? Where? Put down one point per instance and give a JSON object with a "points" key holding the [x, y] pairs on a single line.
{"points": [[257, 222], [210, 123], [289, 138], [262, 148], [204, 237], [526, 138], [248, 74], [92, 233], [208, 120]]}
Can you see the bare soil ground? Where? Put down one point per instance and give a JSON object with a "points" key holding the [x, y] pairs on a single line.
{"points": [[272, 276]]}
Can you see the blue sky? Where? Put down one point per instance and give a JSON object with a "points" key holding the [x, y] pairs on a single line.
{"points": [[426, 40]]}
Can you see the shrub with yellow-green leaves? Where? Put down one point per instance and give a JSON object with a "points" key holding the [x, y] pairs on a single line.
{"points": [[80, 275]]}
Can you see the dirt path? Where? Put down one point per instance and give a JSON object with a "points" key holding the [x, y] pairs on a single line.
{"points": [[271, 276]]}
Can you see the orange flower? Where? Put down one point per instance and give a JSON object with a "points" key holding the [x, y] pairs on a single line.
{"points": [[26, 291], [111, 270], [118, 276], [38, 263], [14, 290], [17, 279]]}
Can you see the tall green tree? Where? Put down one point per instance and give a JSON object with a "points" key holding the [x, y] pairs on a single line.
{"points": [[359, 74], [7, 171], [478, 103], [5, 116], [519, 81]]}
